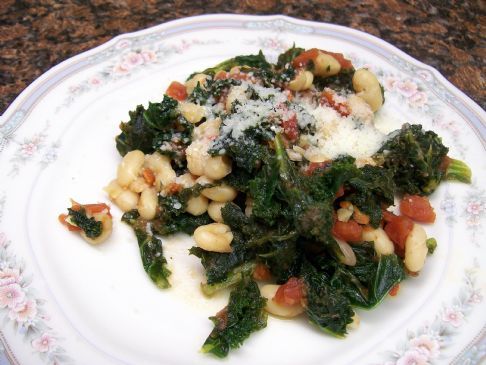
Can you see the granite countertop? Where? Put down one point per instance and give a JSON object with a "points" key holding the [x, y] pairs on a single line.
{"points": [[36, 35]]}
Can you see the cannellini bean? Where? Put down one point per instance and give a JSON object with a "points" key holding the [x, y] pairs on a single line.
{"points": [[165, 176], [293, 155], [368, 87], [196, 157], [222, 193], [193, 113], [209, 129], [214, 211], [236, 93], [217, 167], [193, 81], [415, 249], [215, 237], [147, 204], [204, 180], [197, 205], [345, 213], [113, 189], [106, 228], [186, 180], [138, 185], [326, 65], [127, 200], [302, 81], [130, 167], [381, 242], [286, 311]]}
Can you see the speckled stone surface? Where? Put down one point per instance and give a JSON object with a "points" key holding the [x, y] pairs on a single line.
{"points": [[38, 34]]}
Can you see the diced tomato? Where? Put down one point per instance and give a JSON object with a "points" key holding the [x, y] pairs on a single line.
{"points": [[177, 91], [398, 228], [304, 58], [221, 75], [327, 98], [148, 176], [417, 208], [96, 208], [360, 217], [173, 188], [345, 63], [62, 218], [291, 128], [349, 231], [394, 290], [313, 166], [261, 272], [311, 54], [290, 293]]}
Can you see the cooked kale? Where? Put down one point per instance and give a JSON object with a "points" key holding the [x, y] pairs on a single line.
{"points": [[244, 315], [414, 156], [151, 252], [91, 227], [160, 125], [327, 307], [253, 61], [287, 56]]}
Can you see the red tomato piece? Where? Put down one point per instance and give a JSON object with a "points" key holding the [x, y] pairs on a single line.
{"points": [[394, 290], [177, 91], [261, 272], [327, 98], [291, 128], [290, 293], [339, 192], [349, 231], [313, 166], [304, 58], [398, 228], [417, 208]]}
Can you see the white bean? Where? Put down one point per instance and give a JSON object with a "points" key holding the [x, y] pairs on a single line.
{"points": [[381, 242], [186, 180], [368, 87], [345, 213], [193, 81], [236, 93], [209, 129], [360, 108], [415, 249], [214, 211], [106, 228], [286, 311], [138, 185], [215, 237], [193, 113], [130, 167], [302, 81], [147, 204], [197, 156], [113, 189], [217, 167], [165, 173], [127, 200], [197, 205], [204, 180], [326, 65], [222, 193]]}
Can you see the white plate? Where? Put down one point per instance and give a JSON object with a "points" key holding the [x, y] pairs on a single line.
{"points": [[65, 302]]}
